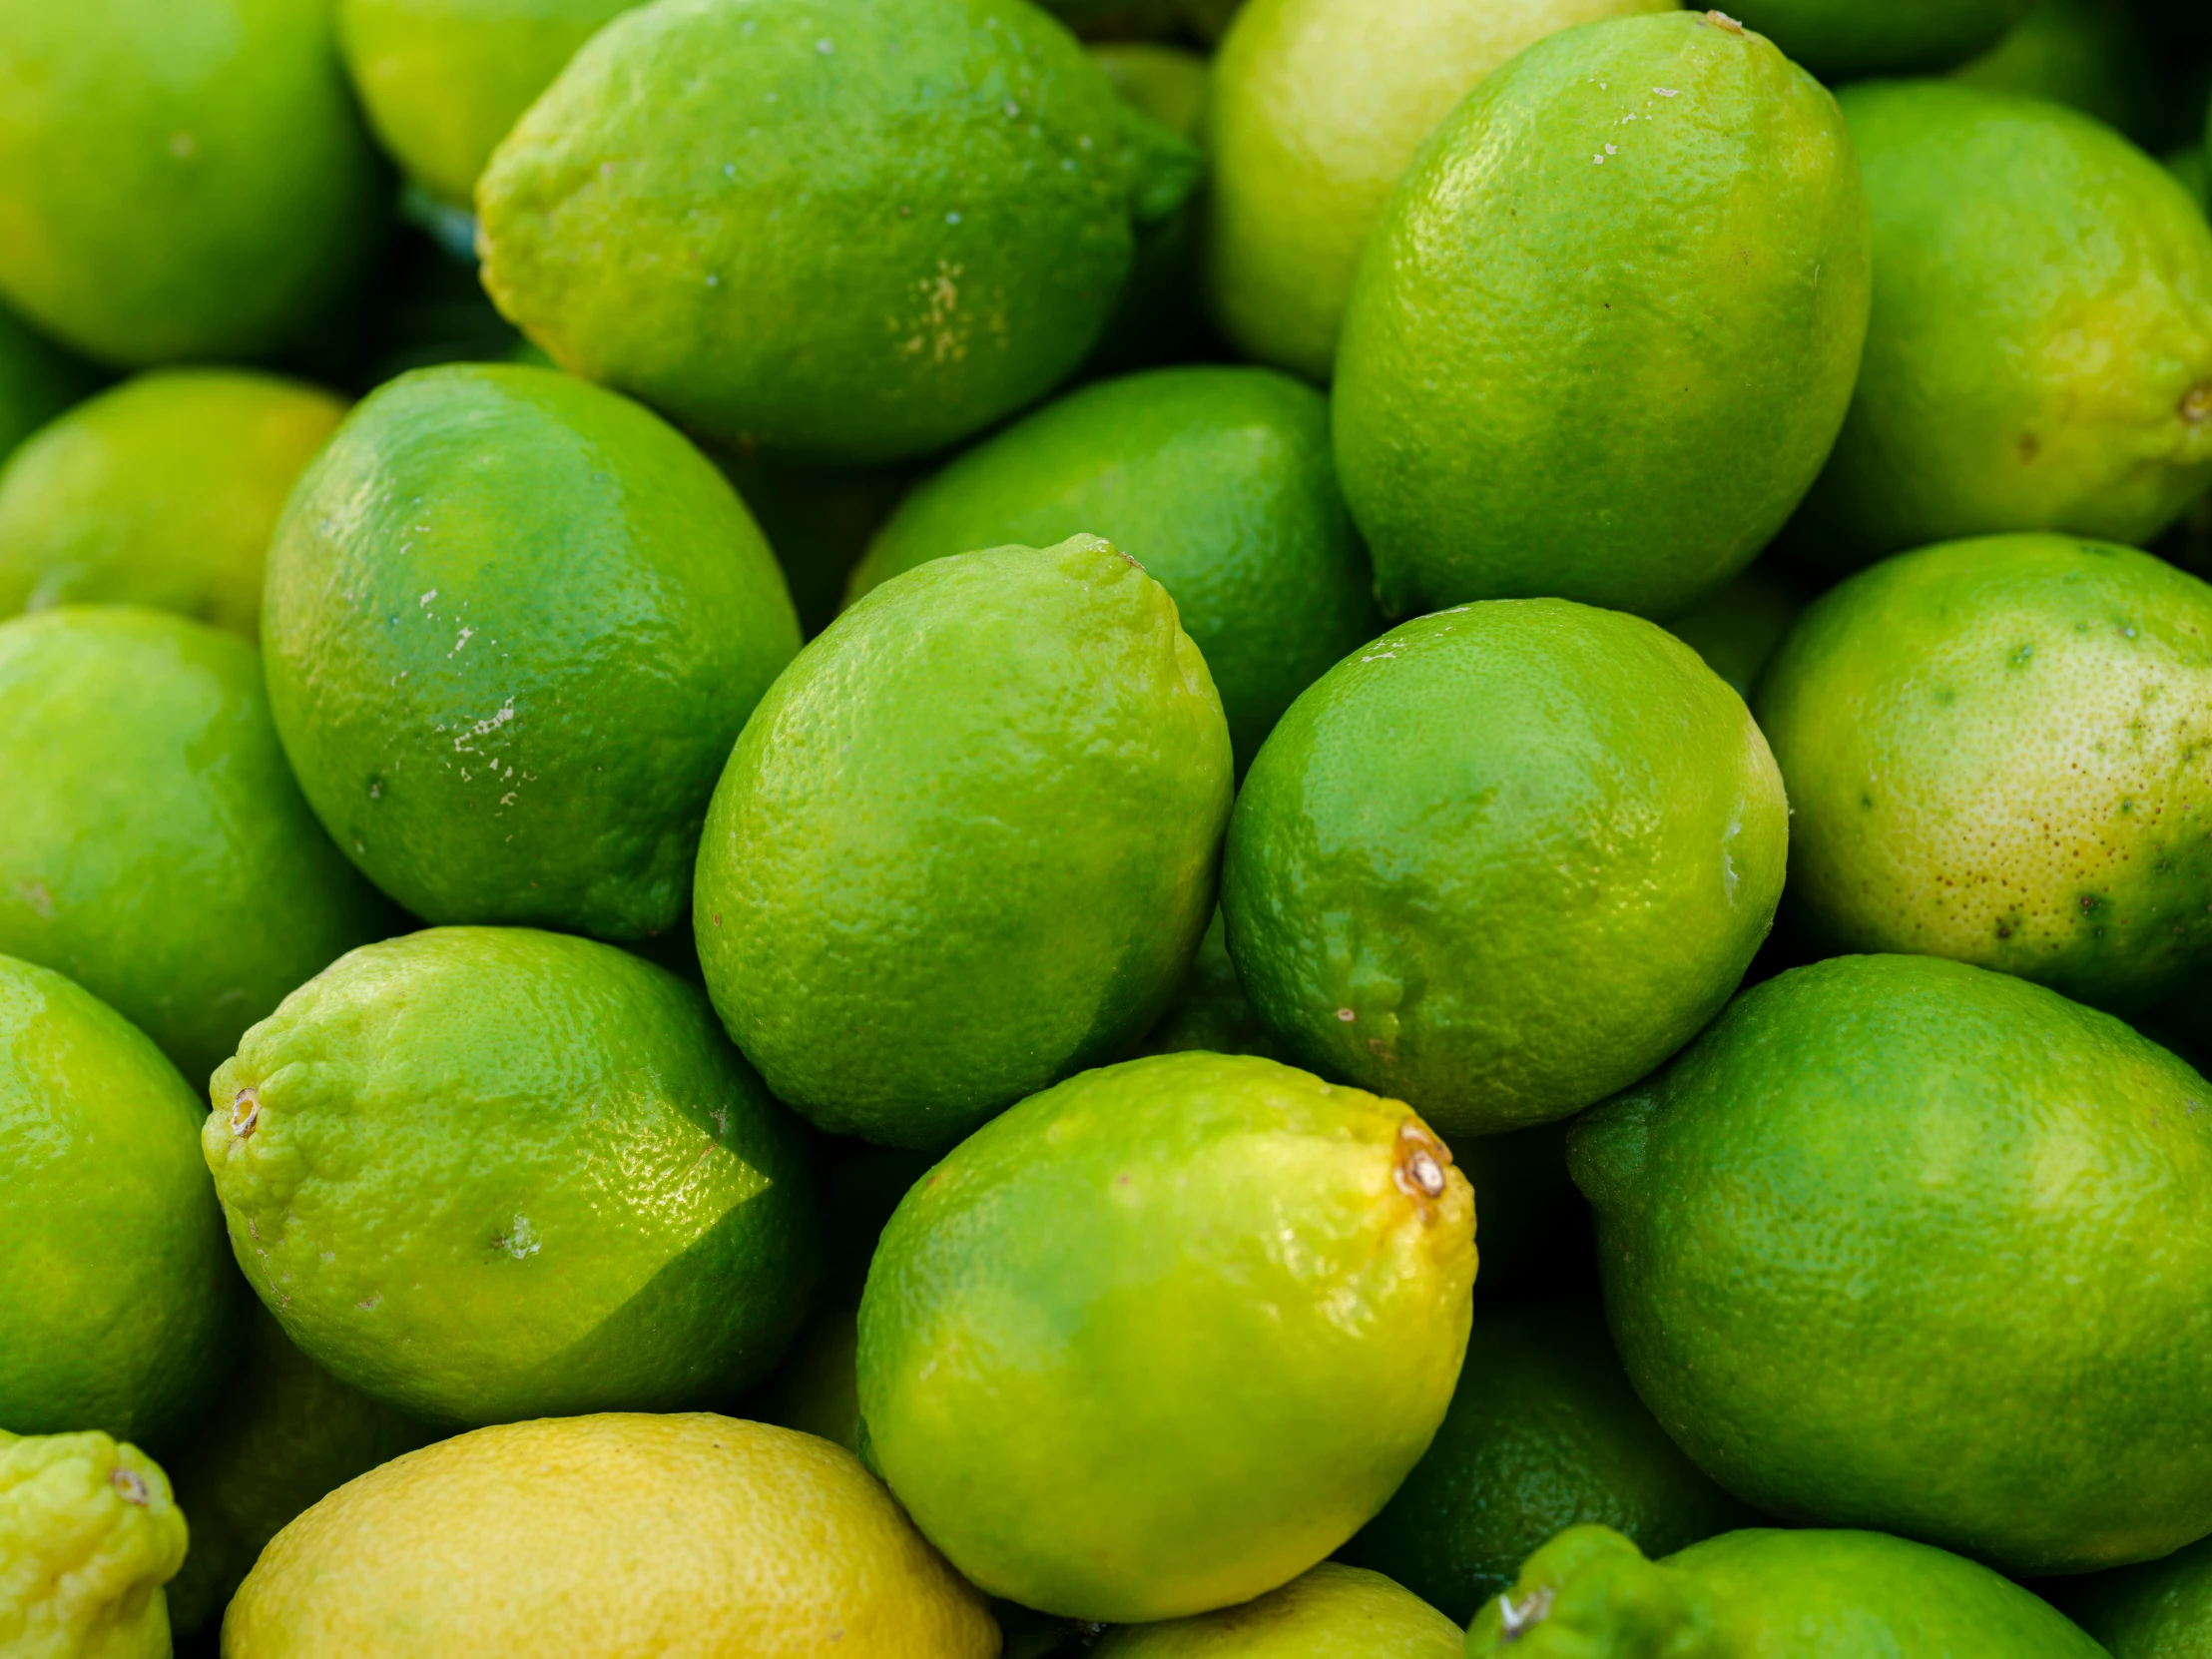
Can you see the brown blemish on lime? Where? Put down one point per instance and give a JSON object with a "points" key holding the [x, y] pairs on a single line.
{"points": [[246, 1111], [1419, 1165], [2196, 406], [1721, 20]]}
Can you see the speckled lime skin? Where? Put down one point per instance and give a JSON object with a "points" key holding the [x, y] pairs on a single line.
{"points": [[88, 1533], [847, 230], [2001, 751], [118, 1300], [164, 491], [1905, 1244], [489, 1173], [513, 624], [2039, 353], [154, 847], [1064, 1321], [181, 179], [1503, 860], [1841, 40], [1327, 1612], [38, 379], [2158, 1610], [968, 843], [1605, 330], [1216, 481], [1768, 1594]]}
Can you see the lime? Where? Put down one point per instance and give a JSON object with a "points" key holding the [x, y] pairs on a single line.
{"points": [[1628, 251], [819, 520], [2192, 170], [38, 379], [1321, 106], [1544, 1434], [618, 1535], [179, 178], [1843, 39], [816, 1388], [1211, 1013], [513, 624], [604, 1207], [155, 848], [1216, 481], [88, 1534], [1905, 1244], [851, 229], [1945, 721], [1065, 1317], [968, 844], [2159, 1610], [1327, 1612], [2092, 53], [162, 492], [1503, 860], [1158, 316], [1736, 628], [2041, 351]]}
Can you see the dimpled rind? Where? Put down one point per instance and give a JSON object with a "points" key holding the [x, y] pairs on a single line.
{"points": [[487, 1173], [1888, 1222], [1503, 860], [2001, 751], [1327, 1612], [88, 1535], [1064, 1319], [1605, 331], [968, 844]]}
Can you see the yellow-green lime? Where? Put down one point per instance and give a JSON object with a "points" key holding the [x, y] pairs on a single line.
{"points": [[1320, 106], [1602, 337], [164, 491], [88, 1535], [603, 1207], [968, 844], [851, 229], [1995, 752], [1503, 860], [120, 1306], [1841, 40], [2158, 1610], [1216, 481], [1065, 1320], [513, 624], [621, 1535], [1905, 1244], [154, 847], [1327, 1612], [181, 179], [2096, 55], [38, 379], [2039, 356], [1738, 628]]}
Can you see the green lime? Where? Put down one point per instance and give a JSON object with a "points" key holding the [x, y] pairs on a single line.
{"points": [[1905, 1244], [1216, 481], [118, 1303], [1544, 1434], [605, 1208], [1321, 106], [1065, 1319], [155, 848], [284, 1433], [1158, 319], [2039, 356], [1736, 628], [88, 1535], [1945, 721], [1327, 1612], [163, 491], [844, 230], [1843, 39], [818, 521], [2158, 1610], [1503, 860], [968, 844], [1627, 252], [38, 379], [2096, 55], [442, 81], [1211, 1013], [513, 624], [1766, 1593], [181, 179], [816, 1388]]}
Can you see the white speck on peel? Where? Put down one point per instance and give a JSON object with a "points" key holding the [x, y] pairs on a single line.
{"points": [[1348, 1016], [427, 597], [1664, 92], [521, 1239], [1012, 109], [825, 47], [1611, 150], [1601, 161], [952, 219], [466, 635]]}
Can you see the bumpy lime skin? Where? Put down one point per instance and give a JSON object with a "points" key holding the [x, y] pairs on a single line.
{"points": [[1327, 1612], [118, 1303], [1503, 860], [484, 1174], [2158, 1610], [88, 1533], [969, 843], [2039, 353], [38, 379], [181, 179], [1064, 1319], [847, 230], [513, 624], [1905, 1244], [2001, 751], [1843, 39], [1218, 480], [1604, 334], [154, 847]]}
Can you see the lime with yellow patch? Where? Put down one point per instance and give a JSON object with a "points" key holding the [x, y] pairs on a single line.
{"points": [[89, 1533]]}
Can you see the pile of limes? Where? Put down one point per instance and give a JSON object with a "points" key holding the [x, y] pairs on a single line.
{"points": [[797, 798]]}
